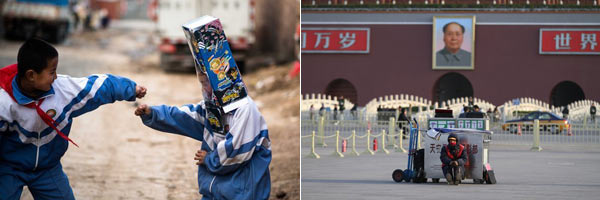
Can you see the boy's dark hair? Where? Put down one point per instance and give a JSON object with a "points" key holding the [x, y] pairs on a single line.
{"points": [[34, 54]]}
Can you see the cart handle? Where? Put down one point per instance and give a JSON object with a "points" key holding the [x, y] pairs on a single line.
{"points": [[417, 123]]}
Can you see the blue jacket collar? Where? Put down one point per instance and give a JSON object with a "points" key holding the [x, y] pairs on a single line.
{"points": [[22, 99]]}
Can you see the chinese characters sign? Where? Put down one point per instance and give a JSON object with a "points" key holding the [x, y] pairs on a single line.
{"points": [[442, 123], [478, 124], [437, 148], [569, 41], [475, 123], [335, 40]]}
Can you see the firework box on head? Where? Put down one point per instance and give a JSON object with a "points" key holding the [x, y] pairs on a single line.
{"points": [[213, 56]]}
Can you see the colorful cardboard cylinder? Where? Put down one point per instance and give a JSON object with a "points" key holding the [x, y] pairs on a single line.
{"points": [[213, 56]]}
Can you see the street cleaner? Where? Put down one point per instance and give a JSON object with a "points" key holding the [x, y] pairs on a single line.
{"points": [[454, 157], [36, 106], [234, 159]]}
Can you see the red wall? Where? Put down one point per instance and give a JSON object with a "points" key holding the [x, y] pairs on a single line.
{"points": [[507, 65]]}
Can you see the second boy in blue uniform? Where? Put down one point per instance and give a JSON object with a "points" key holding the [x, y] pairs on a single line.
{"points": [[232, 165]]}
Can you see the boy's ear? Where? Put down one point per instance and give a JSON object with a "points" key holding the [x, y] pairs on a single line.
{"points": [[30, 75]]}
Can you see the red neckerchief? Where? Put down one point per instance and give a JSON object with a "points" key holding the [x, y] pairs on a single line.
{"points": [[7, 74]]}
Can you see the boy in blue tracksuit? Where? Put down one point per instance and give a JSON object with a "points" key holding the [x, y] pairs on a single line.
{"points": [[37, 108], [232, 165]]}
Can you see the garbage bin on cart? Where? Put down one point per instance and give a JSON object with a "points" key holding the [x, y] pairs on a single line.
{"points": [[476, 142], [425, 163]]}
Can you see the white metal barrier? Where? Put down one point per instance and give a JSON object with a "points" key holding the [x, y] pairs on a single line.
{"points": [[322, 134], [577, 134], [373, 137]]}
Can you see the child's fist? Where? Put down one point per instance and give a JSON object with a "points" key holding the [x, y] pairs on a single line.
{"points": [[142, 110], [140, 91], [200, 157]]}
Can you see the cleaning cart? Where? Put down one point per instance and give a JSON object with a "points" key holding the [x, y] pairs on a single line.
{"points": [[424, 164]]}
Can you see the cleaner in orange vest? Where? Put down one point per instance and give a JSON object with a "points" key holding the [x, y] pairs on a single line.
{"points": [[454, 157]]}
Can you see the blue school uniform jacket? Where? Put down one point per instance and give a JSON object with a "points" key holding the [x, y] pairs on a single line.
{"points": [[237, 163], [29, 144]]}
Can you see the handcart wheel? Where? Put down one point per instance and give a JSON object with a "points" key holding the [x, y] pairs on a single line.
{"points": [[435, 180], [489, 177], [398, 175]]}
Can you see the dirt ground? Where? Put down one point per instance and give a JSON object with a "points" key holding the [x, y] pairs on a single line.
{"points": [[120, 158]]}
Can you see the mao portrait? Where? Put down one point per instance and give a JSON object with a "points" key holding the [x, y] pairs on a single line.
{"points": [[453, 42]]}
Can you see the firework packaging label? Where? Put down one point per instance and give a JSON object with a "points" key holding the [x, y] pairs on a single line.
{"points": [[213, 57]]}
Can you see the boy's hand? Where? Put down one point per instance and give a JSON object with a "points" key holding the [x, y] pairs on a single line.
{"points": [[140, 91], [200, 157], [143, 110]]}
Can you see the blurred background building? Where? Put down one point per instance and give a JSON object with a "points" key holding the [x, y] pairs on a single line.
{"points": [[261, 32]]}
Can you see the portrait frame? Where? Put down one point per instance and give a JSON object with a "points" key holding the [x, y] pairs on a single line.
{"points": [[468, 44]]}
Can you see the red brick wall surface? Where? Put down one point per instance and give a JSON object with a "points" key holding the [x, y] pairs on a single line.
{"points": [[507, 65]]}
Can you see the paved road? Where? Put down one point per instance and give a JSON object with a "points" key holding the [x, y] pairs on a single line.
{"points": [[558, 172]]}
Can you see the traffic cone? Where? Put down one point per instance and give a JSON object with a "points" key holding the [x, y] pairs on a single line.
{"points": [[519, 129], [375, 144], [344, 146], [569, 131]]}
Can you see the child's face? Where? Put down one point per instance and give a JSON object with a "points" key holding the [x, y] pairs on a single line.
{"points": [[43, 80], [206, 88]]}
